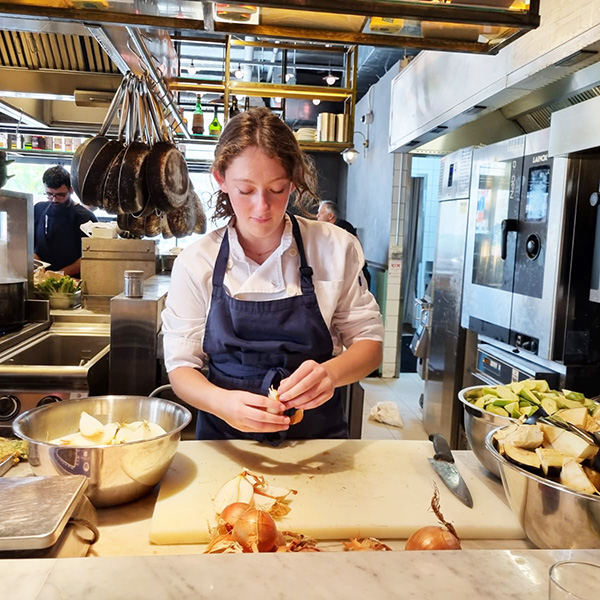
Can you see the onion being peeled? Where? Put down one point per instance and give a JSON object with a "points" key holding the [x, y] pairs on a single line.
{"points": [[432, 538], [255, 531]]}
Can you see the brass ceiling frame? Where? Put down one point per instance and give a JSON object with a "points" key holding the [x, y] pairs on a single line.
{"points": [[522, 21], [409, 10]]}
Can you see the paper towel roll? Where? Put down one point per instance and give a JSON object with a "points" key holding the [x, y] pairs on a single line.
{"points": [[326, 127], [341, 122]]}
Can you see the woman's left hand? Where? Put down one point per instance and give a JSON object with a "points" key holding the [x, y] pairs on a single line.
{"points": [[309, 386]]}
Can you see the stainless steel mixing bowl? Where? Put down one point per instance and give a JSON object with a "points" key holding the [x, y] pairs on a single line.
{"points": [[551, 515], [478, 423], [118, 473]]}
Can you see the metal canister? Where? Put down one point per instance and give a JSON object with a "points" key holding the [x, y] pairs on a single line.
{"points": [[134, 284]]}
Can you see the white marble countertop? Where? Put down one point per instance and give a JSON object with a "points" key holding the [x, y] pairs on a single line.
{"points": [[460, 575], [123, 564]]}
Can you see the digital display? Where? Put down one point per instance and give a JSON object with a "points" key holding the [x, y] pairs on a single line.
{"points": [[538, 187]]}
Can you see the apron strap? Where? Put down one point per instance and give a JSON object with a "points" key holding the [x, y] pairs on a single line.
{"points": [[221, 262], [306, 272]]}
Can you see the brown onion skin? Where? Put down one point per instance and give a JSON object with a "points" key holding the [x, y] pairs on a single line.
{"points": [[232, 512], [256, 529], [432, 538]]}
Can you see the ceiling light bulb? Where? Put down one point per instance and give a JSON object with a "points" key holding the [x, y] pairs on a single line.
{"points": [[330, 79], [288, 76], [238, 73], [350, 155], [316, 102], [192, 69], [277, 100]]}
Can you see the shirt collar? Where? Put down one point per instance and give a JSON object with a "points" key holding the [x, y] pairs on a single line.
{"points": [[237, 252]]}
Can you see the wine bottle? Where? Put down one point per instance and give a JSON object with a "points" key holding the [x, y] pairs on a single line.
{"points": [[198, 117], [215, 127], [234, 109]]}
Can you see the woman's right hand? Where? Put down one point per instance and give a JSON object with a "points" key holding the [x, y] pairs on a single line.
{"points": [[243, 410], [252, 413]]}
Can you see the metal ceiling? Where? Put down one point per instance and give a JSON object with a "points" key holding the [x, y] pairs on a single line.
{"points": [[38, 50]]}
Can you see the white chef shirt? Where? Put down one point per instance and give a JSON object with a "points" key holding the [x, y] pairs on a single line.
{"points": [[348, 308]]}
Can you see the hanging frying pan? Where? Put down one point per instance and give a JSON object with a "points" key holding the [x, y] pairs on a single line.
{"points": [[92, 190], [167, 175], [152, 224], [110, 189], [182, 220], [150, 134], [132, 180], [164, 227], [85, 153], [200, 226]]}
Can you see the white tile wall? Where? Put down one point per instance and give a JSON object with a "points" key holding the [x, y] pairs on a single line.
{"points": [[394, 280]]}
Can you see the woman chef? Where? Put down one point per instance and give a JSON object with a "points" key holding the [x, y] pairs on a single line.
{"points": [[268, 300]]}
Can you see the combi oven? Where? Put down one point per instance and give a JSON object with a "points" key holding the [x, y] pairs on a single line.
{"points": [[528, 263]]}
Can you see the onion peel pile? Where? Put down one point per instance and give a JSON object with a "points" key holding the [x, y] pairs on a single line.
{"points": [[432, 537], [252, 489], [366, 545]]}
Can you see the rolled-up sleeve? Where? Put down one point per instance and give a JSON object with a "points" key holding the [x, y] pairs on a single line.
{"points": [[357, 315]]}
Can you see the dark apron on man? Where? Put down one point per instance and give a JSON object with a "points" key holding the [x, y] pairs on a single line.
{"points": [[254, 345], [57, 237]]}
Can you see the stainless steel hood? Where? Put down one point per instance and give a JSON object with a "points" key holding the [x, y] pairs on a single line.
{"points": [[442, 103]]}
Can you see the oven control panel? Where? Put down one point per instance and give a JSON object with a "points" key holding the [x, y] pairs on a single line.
{"points": [[15, 402]]}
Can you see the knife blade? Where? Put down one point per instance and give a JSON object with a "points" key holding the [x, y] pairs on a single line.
{"points": [[443, 464]]}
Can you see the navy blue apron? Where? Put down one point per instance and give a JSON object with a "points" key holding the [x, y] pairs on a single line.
{"points": [[254, 345], [57, 236]]}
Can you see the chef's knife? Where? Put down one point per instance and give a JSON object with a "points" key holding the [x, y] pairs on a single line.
{"points": [[443, 464]]}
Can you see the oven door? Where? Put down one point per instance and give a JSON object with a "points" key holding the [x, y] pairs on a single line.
{"points": [[539, 239], [491, 238]]}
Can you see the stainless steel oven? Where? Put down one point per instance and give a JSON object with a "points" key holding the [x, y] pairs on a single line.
{"points": [[528, 263]]}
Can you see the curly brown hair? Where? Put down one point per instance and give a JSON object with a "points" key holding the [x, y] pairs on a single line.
{"points": [[260, 128]]}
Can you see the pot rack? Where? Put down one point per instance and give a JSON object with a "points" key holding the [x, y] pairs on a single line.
{"points": [[471, 26]]}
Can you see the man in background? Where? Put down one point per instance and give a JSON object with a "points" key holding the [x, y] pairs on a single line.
{"points": [[57, 233], [329, 212]]}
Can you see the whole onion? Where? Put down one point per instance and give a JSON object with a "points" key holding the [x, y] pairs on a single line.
{"points": [[231, 513], [432, 538], [255, 531]]}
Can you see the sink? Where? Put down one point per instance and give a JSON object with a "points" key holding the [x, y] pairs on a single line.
{"points": [[56, 349], [54, 359]]}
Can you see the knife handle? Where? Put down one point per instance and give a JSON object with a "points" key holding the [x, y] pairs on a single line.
{"points": [[441, 447]]}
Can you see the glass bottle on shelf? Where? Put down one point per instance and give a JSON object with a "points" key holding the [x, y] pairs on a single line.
{"points": [[247, 103], [198, 117], [185, 121], [234, 108], [215, 127]]}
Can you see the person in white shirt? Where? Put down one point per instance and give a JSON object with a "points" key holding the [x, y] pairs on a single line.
{"points": [[270, 300]]}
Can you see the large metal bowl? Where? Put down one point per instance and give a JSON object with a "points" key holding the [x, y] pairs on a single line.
{"points": [[118, 473], [551, 515], [478, 423]]}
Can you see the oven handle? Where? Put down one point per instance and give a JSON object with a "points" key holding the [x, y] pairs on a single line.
{"points": [[507, 225], [484, 378]]}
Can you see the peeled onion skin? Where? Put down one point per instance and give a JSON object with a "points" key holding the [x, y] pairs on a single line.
{"points": [[256, 531], [432, 538]]}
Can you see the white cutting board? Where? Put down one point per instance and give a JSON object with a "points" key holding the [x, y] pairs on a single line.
{"points": [[346, 488]]}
